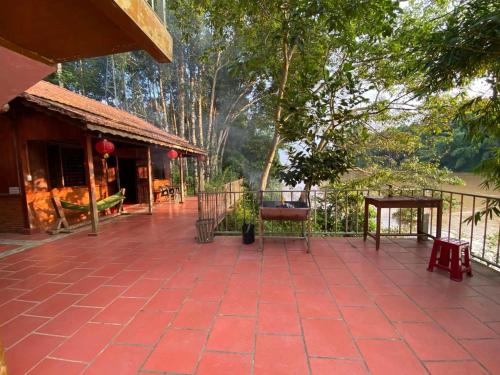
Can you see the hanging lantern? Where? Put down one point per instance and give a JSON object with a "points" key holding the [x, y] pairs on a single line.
{"points": [[202, 157], [104, 147], [172, 154]]}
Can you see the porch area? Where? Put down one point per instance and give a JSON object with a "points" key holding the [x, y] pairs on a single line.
{"points": [[145, 297]]}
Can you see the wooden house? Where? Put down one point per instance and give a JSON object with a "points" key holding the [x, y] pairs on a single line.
{"points": [[35, 35], [47, 140]]}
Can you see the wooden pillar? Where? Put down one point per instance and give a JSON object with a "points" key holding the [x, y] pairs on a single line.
{"points": [[150, 183], [201, 176], [21, 162], [181, 178], [89, 172]]}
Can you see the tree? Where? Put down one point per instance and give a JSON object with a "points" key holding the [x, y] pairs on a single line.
{"points": [[286, 44]]}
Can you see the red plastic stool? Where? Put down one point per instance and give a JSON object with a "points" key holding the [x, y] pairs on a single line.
{"points": [[451, 255]]}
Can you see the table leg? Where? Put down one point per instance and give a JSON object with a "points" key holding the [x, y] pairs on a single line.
{"points": [[420, 224], [261, 234], [377, 233], [365, 224], [439, 219]]}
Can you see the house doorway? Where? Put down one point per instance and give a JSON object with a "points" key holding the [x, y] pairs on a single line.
{"points": [[128, 179]]}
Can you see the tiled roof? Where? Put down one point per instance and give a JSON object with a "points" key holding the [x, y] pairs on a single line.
{"points": [[102, 117]]}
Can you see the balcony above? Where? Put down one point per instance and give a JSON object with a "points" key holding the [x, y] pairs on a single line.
{"points": [[53, 31]]}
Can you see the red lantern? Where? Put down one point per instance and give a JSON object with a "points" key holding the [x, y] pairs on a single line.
{"points": [[104, 147], [202, 157], [172, 154]]}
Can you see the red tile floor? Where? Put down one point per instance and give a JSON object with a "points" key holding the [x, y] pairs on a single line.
{"points": [[145, 298]]}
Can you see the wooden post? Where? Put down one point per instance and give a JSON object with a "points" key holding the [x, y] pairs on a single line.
{"points": [[181, 178], [117, 171], [201, 176], [89, 171], [150, 183]]}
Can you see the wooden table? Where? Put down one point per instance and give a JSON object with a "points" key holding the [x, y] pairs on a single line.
{"points": [[403, 202]]}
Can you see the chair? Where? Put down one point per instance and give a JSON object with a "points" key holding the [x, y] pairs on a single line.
{"points": [[451, 255]]}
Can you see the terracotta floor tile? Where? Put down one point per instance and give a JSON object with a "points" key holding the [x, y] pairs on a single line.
{"points": [[280, 355], [247, 267], [350, 295], [85, 285], [87, 342], [9, 294], [102, 296], [455, 368], [278, 318], [33, 282], [54, 305], [400, 308], [177, 351], [495, 326], [232, 334], [485, 352], [389, 357], [69, 321], [337, 367], [461, 324], [247, 282], [340, 277], [13, 308], [18, 328], [182, 280], [368, 322], [276, 293], [430, 342], [217, 273], [125, 278], [196, 315], [482, 308], [239, 303], [119, 359], [74, 275], [109, 269], [143, 288], [43, 292], [208, 290], [304, 268], [167, 300], [146, 328], [51, 366], [120, 311], [329, 263], [312, 305], [328, 338], [309, 284], [28, 352], [225, 364]]}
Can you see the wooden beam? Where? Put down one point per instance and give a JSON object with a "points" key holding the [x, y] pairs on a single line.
{"points": [[150, 182], [89, 172], [142, 24]]}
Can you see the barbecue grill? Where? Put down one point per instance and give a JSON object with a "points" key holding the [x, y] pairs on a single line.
{"points": [[297, 211]]}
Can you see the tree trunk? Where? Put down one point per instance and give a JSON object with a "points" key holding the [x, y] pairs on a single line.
{"points": [[124, 86], [60, 75], [287, 56], [115, 90], [200, 112], [163, 98], [211, 115], [181, 96], [192, 110]]}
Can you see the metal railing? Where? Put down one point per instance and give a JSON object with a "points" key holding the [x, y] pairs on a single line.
{"points": [[159, 7], [217, 205], [341, 213]]}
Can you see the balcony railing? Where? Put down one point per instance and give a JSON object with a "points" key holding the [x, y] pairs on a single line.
{"points": [[341, 213], [159, 7]]}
